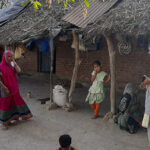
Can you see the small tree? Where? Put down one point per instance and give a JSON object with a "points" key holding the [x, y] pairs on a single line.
{"points": [[37, 4]]}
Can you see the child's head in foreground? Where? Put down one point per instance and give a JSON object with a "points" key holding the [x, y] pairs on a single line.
{"points": [[65, 141]]}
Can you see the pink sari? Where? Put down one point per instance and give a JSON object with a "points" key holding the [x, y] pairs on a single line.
{"points": [[13, 106]]}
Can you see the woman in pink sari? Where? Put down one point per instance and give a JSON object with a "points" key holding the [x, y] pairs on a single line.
{"points": [[12, 105]]}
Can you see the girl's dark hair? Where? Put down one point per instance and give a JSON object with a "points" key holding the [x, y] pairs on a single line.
{"points": [[65, 141], [97, 62]]}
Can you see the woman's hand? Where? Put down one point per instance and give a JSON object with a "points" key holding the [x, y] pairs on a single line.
{"points": [[17, 68], [14, 62], [7, 90], [142, 86], [145, 83]]}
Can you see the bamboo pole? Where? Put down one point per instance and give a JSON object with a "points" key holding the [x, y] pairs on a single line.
{"points": [[112, 58], [76, 66], [52, 104], [51, 68]]}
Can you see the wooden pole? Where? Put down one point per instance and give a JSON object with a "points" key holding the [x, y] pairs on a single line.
{"points": [[76, 66], [112, 55], [51, 68], [52, 104]]}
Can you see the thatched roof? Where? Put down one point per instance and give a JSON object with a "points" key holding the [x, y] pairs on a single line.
{"points": [[31, 24], [126, 17]]}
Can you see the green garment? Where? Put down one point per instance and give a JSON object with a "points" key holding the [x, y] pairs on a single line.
{"points": [[96, 91]]}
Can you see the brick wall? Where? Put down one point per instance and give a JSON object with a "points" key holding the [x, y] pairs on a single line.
{"points": [[128, 68], [29, 63]]}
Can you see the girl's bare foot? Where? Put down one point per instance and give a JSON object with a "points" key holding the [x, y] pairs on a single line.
{"points": [[95, 117]]}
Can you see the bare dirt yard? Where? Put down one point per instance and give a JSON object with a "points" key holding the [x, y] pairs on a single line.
{"points": [[43, 130]]}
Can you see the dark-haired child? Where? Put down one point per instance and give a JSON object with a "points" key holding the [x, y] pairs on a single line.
{"points": [[65, 143], [96, 92]]}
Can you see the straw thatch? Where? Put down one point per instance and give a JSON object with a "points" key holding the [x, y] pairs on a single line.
{"points": [[31, 24], [126, 17]]}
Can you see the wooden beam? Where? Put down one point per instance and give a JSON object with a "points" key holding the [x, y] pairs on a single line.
{"points": [[51, 68], [76, 66], [112, 57], [52, 104]]}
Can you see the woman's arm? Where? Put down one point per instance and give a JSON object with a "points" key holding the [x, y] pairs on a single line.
{"points": [[4, 87], [17, 68], [146, 82]]}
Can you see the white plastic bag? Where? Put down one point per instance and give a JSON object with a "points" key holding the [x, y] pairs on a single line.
{"points": [[59, 95]]}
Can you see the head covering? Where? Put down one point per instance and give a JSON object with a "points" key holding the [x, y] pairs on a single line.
{"points": [[9, 74], [6, 54]]}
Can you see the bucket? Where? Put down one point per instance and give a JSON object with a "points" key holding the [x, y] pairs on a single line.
{"points": [[59, 95]]}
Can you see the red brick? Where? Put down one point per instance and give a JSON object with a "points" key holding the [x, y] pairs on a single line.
{"points": [[128, 68]]}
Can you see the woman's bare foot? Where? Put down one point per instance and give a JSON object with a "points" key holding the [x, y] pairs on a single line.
{"points": [[13, 122], [4, 127]]}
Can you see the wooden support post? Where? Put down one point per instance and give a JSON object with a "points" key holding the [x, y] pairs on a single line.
{"points": [[51, 68], [52, 104], [76, 66], [112, 55]]}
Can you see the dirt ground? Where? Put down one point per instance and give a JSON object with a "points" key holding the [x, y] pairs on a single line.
{"points": [[43, 130]]}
